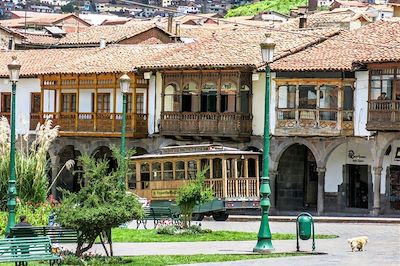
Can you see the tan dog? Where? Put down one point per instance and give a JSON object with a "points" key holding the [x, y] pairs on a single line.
{"points": [[358, 243]]}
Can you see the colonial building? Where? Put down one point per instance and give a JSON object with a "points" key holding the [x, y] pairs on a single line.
{"points": [[334, 123], [333, 131]]}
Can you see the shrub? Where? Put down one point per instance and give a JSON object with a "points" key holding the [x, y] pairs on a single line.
{"points": [[30, 162], [193, 193], [100, 205], [167, 230], [178, 230], [37, 214]]}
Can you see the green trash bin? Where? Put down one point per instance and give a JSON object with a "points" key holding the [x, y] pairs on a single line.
{"points": [[305, 228], [305, 223]]}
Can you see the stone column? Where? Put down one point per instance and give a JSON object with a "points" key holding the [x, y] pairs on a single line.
{"points": [[272, 184], [321, 190], [54, 171], [377, 190]]}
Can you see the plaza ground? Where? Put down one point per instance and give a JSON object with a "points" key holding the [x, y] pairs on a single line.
{"points": [[383, 247]]}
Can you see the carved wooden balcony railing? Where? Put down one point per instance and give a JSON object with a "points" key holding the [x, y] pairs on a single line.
{"points": [[308, 122], [234, 187], [383, 115], [94, 124], [234, 125]]}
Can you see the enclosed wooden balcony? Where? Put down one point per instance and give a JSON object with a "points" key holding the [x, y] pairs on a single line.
{"points": [[383, 115], [232, 125], [94, 124]]}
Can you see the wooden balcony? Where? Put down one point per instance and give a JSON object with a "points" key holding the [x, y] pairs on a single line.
{"points": [[383, 115], [189, 124], [314, 122], [94, 124]]}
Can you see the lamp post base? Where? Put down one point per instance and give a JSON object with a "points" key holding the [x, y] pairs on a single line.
{"points": [[264, 246]]}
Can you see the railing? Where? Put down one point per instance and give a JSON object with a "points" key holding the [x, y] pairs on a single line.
{"points": [[206, 124], [321, 119], [93, 122], [383, 115], [235, 187]]}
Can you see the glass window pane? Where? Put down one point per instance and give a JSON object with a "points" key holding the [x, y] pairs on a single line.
{"points": [[192, 169], [180, 170], [328, 97], [132, 176], [217, 168], [156, 171], [205, 164], [307, 97], [348, 98], [287, 96]]}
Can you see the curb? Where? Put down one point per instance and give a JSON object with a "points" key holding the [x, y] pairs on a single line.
{"points": [[238, 218]]}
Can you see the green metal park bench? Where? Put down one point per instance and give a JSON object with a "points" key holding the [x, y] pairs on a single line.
{"points": [[56, 234], [25, 249], [157, 214]]}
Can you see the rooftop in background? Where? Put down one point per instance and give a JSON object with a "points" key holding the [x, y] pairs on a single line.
{"points": [[336, 18], [69, 22], [112, 33]]}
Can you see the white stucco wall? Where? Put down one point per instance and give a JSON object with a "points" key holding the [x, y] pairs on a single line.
{"points": [[258, 104], [23, 100], [152, 104], [361, 104], [339, 157], [157, 111]]}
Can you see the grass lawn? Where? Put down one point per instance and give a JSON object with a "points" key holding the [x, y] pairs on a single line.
{"points": [[131, 235], [180, 259]]}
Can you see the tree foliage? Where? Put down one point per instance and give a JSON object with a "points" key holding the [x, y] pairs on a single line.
{"points": [[100, 205], [282, 6], [193, 193], [68, 8]]}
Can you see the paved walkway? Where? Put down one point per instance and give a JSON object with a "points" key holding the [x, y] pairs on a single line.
{"points": [[383, 247]]}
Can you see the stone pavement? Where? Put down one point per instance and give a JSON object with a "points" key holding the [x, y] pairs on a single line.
{"points": [[383, 247]]}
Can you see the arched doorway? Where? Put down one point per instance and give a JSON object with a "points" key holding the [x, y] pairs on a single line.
{"points": [[69, 179], [139, 151], [105, 153], [297, 181]]}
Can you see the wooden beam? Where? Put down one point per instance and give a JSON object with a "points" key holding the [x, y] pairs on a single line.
{"points": [[114, 103], [77, 105], [134, 104]]}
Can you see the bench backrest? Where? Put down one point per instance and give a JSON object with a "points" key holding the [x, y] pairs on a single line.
{"points": [[24, 247], [161, 212], [56, 234]]}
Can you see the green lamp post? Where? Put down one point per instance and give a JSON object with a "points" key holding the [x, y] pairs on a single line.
{"points": [[13, 69], [124, 83], [264, 244]]}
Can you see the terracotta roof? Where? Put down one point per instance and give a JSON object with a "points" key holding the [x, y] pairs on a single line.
{"points": [[350, 3], [327, 19], [376, 42], [11, 31], [40, 39], [112, 34], [226, 47], [115, 21], [49, 19]]}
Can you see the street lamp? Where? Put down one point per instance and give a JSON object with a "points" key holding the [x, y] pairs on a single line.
{"points": [[264, 244], [124, 84], [13, 69]]}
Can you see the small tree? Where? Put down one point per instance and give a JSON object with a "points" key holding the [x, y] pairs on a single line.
{"points": [[193, 193], [100, 205]]}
